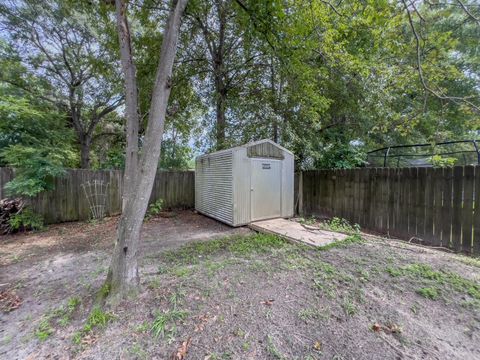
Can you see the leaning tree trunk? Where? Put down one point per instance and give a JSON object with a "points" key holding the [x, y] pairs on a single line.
{"points": [[123, 276], [131, 99]]}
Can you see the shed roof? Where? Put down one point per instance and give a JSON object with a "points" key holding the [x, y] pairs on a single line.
{"points": [[250, 144]]}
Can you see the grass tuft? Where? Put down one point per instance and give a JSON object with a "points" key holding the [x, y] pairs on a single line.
{"points": [[429, 293], [167, 321], [98, 318]]}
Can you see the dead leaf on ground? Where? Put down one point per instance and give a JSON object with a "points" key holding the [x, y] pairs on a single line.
{"points": [[183, 349], [9, 300], [388, 329], [89, 340], [317, 346], [268, 302]]}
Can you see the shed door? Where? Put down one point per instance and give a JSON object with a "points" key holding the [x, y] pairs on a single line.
{"points": [[266, 188]]}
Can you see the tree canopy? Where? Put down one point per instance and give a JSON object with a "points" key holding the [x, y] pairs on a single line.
{"points": [[327, 80]]}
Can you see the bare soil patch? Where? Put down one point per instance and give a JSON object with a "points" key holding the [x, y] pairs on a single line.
{"points": [[231, 294]]}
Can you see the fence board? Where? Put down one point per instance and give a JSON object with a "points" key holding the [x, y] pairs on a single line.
{"points": [[420, 203], [437, 211], [457, 208], [429, 206], [67, 202], [467, 209], [447, 206], [476, 217]]}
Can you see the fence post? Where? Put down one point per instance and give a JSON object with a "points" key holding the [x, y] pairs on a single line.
{"points": [[300, 193]]}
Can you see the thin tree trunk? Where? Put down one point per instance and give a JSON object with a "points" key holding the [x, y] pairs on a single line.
{"points": [[123, 275], [131, 99]]}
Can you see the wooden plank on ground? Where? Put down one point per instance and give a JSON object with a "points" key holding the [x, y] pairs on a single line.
{"points": [[296, 232]]}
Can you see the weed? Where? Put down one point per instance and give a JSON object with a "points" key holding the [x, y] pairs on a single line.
{"points": [[308, 221], [268, 314], [341, 225], [414, 309], [429, 293], [272, 349], [364, 275], [26, 220], [352, 239], [143, 327], [309, 314], [165, 319], [137, 351], [44, 330], [239, 332], [182, 271], [97, 319], [6, 339], [105, 290], [349, 307], [59, 316], [394, 271], [154, 209]]}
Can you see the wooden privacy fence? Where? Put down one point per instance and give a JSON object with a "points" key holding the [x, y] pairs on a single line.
{"points": [[436, 206], [67, 202]]}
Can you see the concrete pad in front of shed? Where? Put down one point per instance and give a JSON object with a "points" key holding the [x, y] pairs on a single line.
{"points": [[295, 231]]}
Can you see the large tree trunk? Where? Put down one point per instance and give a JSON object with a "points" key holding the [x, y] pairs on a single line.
{"points": [[85, 144], [219, 73], [131, 99], [123, 275], [220, 116]]}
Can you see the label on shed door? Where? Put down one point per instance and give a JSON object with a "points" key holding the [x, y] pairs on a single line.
{"points": [[265, 166]]}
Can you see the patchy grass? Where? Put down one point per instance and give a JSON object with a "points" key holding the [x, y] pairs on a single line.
{"points": [[60, 316], [429, 293], [98, 318], [273, 350], [340, 225], [258, 296], [235, 245], [167, 322], [438, 280]]}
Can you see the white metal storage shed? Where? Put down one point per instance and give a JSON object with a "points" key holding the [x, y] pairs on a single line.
{"points": [[245, 183]]}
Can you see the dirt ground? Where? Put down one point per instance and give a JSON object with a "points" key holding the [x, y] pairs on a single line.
{"points": [[212, 292]]}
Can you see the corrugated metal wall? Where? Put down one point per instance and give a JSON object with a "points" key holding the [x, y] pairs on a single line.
{"points": [[214, 185], [241, 186]]}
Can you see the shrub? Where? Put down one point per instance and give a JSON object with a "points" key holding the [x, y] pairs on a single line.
{"points": [[26, 220], [154, 209]]}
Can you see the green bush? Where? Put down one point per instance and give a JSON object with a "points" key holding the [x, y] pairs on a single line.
{"points": [[154, 209], [26, 220]]}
